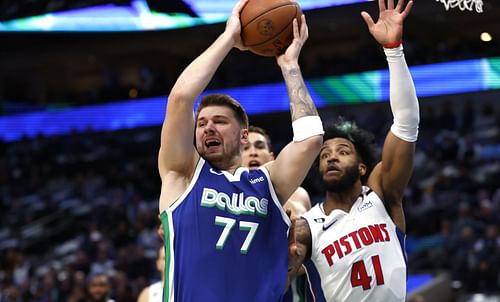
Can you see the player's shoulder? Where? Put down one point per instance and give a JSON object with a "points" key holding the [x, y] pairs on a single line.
{"points": [[144, 295], [315, 212]]}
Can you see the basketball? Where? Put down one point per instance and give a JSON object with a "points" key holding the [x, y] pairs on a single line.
{"points": [[267, 25]]}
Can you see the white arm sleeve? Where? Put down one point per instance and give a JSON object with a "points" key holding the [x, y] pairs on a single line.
{"points": [[403, 98]]}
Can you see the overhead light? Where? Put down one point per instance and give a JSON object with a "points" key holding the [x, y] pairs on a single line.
{"points": [[486, 37]]}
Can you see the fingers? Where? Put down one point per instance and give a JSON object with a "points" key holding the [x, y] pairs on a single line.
{"points": [[381, 5], [237, 9], [407, 8], [296, 34], [400, 5], [304, 30], [368, 19], [390, 4]]}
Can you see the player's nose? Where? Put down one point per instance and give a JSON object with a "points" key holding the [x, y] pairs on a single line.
{"points": [[209, 127]]}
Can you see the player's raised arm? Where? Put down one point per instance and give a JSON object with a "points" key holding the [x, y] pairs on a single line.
{"points": [[177, 156], [292, 164], [392, 175]]}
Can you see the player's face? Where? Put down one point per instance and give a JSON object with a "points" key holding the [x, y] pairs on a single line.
{"points": [[218, 134], [98, 288], [256, 152], [339, 165]]}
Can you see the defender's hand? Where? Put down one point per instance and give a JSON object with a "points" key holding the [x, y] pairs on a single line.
{"points": [[389, 26]]}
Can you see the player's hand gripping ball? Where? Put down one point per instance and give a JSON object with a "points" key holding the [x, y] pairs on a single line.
{"points": [[267, 25]]}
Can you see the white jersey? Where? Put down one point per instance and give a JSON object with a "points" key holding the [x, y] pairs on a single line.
{"points": [[155, 292], [356, 256]]}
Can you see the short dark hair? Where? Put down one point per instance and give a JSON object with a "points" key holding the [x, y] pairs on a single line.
{"points": [[363, 141], [227, 101], [263, 132]]}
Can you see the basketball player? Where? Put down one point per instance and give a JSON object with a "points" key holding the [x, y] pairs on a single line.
{"points": [[224, 226], [354, 240], [154, 292], [257, 152]]}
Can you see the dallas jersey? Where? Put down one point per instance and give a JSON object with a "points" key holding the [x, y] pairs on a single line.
{"points": [[226, 239], [356, 256]]}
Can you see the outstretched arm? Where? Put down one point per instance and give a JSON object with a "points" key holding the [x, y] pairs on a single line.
{"points": [[294, 161], [391, 176], [177, 156]]}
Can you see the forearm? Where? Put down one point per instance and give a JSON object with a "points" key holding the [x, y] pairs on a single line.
{"points": [[403, 98], [195, 78], [301, 103], [305, 118]]}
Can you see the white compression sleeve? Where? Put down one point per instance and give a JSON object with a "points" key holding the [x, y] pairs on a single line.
{"points": [[403, 98], [306, 127]]}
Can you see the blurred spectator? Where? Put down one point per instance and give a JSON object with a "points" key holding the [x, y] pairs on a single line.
{"points": [[84, 204]]}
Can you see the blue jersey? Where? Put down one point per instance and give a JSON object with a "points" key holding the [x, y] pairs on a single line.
{"points": [[226, 239]]}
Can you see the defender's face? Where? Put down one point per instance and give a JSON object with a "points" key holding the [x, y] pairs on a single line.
{"points": [[338, 160], [218, 134], [256, 152]]}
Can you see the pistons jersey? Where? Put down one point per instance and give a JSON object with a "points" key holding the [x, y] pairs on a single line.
{"points": [[356, 256], [226, 239]]}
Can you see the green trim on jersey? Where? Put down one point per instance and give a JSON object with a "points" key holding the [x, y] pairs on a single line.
{"points": [[166, 230]]}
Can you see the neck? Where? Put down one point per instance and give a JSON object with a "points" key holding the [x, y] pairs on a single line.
{"points": [[229, 166], [342, 200]]}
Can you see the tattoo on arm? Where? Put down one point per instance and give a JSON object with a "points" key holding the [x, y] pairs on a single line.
{"points": [[303, 237], [301, 103]]}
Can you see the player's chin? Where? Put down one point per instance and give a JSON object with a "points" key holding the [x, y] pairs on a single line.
{"points": [[330, 178], [213, 156]]}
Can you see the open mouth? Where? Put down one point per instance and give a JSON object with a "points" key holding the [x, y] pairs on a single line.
{"points": [[333, 168], [212, 143], [253, 164]]}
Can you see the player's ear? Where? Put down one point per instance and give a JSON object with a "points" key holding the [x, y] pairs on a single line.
{"points": [[362, 169], [272, 155], [244, 136]]}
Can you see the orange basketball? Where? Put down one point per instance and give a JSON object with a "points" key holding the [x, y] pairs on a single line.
{"points": [[267, 25]]}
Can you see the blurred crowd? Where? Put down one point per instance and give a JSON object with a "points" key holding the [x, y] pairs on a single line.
{"points": [[141, 80], [83, 208]]}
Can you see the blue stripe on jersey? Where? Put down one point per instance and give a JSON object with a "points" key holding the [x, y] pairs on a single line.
{"points": [[229, 238], [402, 242], [314, 281]]}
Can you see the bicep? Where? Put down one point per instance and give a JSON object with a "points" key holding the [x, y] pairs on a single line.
{"points": [[177, 151]]}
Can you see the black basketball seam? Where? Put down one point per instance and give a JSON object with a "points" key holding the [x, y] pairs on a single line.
{"points": [[251, 45], [267, 11]]}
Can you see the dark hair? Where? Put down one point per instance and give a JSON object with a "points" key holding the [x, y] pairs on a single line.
{"points": [[263, 132], [363, 141], [227, 101]]}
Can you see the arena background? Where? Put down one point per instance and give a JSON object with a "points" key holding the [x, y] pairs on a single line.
{"points": [[82, 100]]}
